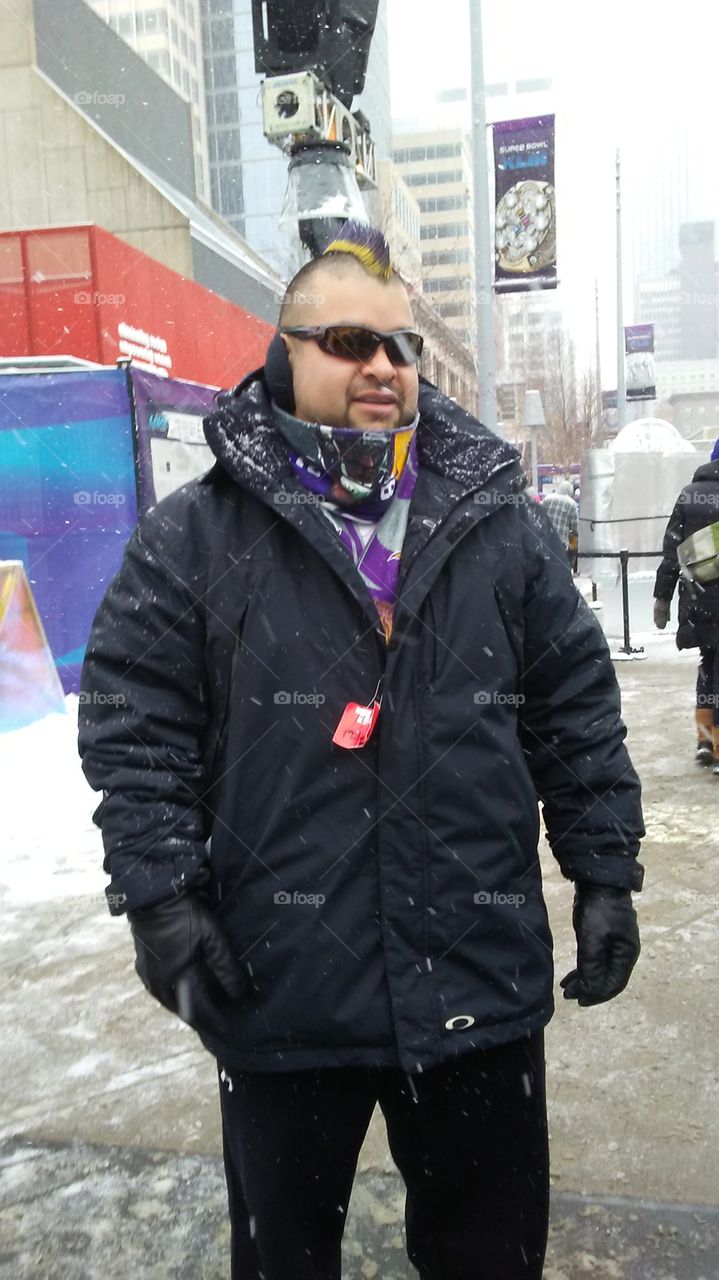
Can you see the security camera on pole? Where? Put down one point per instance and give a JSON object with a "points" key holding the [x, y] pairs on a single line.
{"points": [[533, 418]]}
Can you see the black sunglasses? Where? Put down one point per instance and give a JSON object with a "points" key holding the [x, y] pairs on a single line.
{"points": [[354, 342]]}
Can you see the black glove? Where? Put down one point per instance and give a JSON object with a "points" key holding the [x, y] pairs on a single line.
{"points": [[605, 923], [185, 961], [662, 610]]}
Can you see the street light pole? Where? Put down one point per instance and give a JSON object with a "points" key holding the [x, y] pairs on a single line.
{"points": [[483, 253], [621, 371]]}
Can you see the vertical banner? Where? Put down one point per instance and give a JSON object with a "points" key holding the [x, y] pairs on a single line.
{"points": [[525, 221], [170, 442], [639, 348]]}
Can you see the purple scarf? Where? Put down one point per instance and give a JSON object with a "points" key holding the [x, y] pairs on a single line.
{"points": [[378, 558]]}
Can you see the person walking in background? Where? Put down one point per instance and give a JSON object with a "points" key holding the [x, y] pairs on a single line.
{"points": [[563, 512], [698, 623]]}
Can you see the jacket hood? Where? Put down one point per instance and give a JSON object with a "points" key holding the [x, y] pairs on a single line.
{"points": [[249, 447], [709, 471]]}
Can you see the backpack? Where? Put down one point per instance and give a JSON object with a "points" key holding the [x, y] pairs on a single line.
{"points": [[698, 555]]}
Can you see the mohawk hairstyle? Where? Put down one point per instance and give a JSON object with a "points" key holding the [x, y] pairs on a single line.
{"points": [[367, 245], [356, 243]]}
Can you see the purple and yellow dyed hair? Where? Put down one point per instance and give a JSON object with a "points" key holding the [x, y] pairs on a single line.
{"points": [[367, 245]]}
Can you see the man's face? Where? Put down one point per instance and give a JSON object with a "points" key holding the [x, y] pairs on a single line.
{"points": [[345, 393]]}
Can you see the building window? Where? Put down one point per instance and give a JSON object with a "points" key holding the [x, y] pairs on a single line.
{"points": [[440, 151], [224, 108], [445, 257], [225, 144], [445, 284], [433, 177], [440, 204], [442, 230], [222, 72], [230, 189]]}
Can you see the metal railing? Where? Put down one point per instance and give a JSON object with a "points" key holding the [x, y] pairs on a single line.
{"points": [[624, 557]]}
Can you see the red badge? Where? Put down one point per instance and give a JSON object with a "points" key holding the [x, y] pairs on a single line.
{"points": [[356, 723]]}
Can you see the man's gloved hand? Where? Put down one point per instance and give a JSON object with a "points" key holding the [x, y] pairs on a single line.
{"points": [[605, 923], [661, 613], [185, 961]]}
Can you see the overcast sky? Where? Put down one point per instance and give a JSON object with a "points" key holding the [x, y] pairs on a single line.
{"points": [[637, 75]]}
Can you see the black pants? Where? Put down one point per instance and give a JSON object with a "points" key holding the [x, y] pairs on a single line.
{"points": [[468, 1137]]}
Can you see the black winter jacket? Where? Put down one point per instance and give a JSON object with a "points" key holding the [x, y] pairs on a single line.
{"points": [[696, 507], [385, 903]]}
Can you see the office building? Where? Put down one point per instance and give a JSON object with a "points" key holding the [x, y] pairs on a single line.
{"points": [[437, 167], [395, 210], [167, 34]]}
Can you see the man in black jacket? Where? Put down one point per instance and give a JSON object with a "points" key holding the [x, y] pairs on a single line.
{"points": [[352, 658], [696, 507]]}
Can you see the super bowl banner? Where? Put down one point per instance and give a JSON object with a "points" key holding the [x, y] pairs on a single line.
{"points": [[525, 220], [639, 348]]}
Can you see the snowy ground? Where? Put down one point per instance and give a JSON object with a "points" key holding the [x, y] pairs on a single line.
{"points": [[88, 1058]]}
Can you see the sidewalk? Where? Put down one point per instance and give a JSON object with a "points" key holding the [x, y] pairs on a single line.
{"points": [[75, 1212], [110, 1141]]}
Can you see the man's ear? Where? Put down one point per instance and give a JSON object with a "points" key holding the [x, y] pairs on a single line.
{"points": [[278, 374]]}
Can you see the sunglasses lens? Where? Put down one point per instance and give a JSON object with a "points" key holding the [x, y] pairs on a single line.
{"points": [[355, 343], [351, 343], [404, 348]]}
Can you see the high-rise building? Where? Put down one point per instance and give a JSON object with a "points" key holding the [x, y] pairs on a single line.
{"points": [[683, 306], [396, 212], [666, 182], [531, 347], [658, 303], [698, 299], [437, 167], [221, 40], [167, 35]]}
